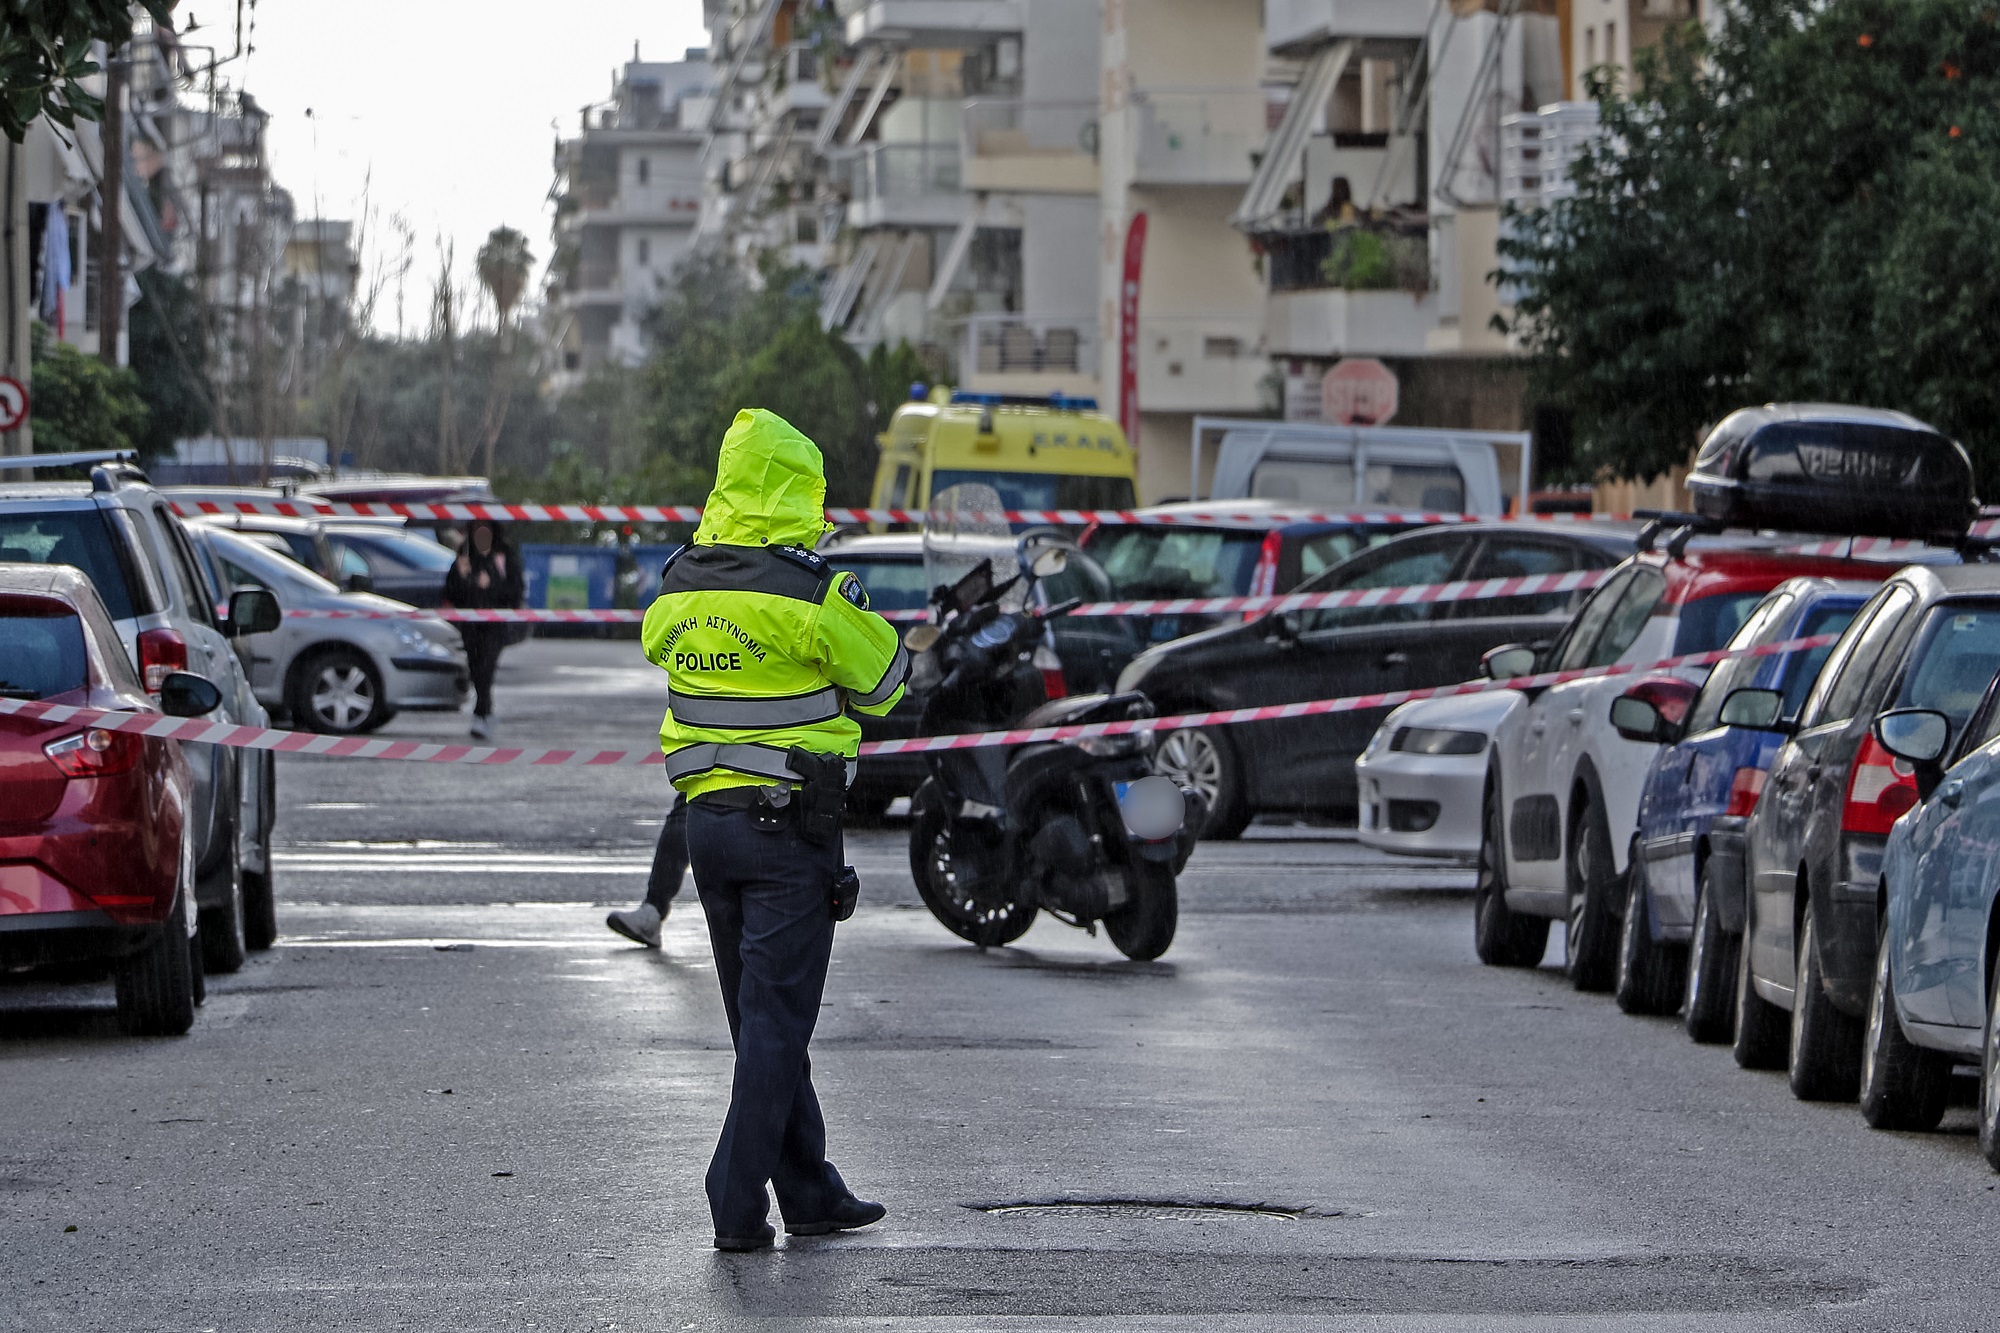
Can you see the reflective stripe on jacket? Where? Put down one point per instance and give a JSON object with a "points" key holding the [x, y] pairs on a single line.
{"points": [[765, 646]]}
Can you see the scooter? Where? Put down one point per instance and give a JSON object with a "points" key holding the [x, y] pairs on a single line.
{"points": [[1080, 829]]}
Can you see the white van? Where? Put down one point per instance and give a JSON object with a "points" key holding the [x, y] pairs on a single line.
{"points": [[1364, 468]]}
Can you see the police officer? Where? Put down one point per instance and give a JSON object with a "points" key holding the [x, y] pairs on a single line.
{"points": [[767, 650]]}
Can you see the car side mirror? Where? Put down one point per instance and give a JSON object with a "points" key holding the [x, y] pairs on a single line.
{"points": [[1759, 710], [1508, 662], [1283, 628], [1636, 719], [253, 611], [1918, 735], [358, 583], [184, 694]]}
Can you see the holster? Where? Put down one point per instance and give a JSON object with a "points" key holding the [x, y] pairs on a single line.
{"points": [[822, 794], [846, 893]]}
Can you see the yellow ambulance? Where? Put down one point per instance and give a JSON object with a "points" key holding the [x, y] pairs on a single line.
{"points": [[1038, 453]]}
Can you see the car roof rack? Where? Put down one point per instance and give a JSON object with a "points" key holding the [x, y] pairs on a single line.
{"points": [[1684, 527], [79, 459], [110, 476]]}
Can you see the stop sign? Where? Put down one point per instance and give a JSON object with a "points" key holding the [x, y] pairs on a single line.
{"points": [[1359, 391]]}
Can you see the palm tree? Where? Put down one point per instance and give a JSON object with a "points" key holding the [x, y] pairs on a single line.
{"points": [[503, 262]]}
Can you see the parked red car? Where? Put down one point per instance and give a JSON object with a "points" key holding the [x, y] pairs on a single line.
{"points": [[94, 864]]}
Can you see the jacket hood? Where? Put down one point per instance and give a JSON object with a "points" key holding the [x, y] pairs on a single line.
{"points": [[770, 486]]}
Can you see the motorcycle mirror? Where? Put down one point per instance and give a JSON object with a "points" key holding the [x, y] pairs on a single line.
{"points": [[1051, 562], [920, 638]]}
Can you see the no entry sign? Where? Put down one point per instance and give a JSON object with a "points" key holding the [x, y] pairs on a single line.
{"points": [[13, 403], [1359, 391]]}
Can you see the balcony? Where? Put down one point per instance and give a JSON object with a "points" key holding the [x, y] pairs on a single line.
{"points": [[1296, 26], [1347, 292], [928, 22], [1030, 147], [1030, 354], [1197, 138], [907, 185], [1201, 363]]}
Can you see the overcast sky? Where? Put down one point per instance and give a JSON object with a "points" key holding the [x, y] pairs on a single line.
{"points": [[448, 103]]}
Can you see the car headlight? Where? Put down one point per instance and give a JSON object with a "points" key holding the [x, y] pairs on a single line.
{"points": [[1437, 740], [411, 635], [1378, 742]]}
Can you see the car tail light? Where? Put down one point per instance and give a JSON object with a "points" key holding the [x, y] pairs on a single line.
{"points": [[95, 753], [1880, 788], [1744, 789], [1264, 578], [161, 653]]}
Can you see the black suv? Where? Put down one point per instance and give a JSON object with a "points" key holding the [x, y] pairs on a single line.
{"points": [[1930, 639]]}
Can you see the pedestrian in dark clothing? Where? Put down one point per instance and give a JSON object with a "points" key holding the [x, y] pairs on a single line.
{"points": [[485, 577], [641, 924]]}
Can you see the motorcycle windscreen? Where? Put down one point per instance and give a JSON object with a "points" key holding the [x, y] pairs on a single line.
{"points": [[964, 531]]}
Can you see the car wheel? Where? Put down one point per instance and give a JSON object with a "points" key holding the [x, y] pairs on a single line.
{"points": [[1989, 1081], [337, 691], [1590, 945], [224, 945], [156, 987], [1501, 936], [1205, 760], [1650, 974], [1903, 1085], [1759, 1038], [1711, 970], [1825, 1059]]}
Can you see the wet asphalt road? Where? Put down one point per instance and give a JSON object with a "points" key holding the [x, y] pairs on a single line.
{"points": [[368, 1131]]}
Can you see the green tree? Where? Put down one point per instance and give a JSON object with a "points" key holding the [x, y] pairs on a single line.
{"points": [[79, 403], [1805, 208], [169, 356], [45, 52], [814, 380]]}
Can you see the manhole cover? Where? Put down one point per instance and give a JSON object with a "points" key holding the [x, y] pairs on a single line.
{"points": [[1152, 1210]]}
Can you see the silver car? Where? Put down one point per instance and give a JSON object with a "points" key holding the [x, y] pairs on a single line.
{"points": [[341, 676]]}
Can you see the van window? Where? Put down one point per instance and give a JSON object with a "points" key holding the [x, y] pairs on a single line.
{"points": [[892, 584], [73, 537], [1428, 487], [1041, 490], [1312, 483], [899, 489], [41, 651]]}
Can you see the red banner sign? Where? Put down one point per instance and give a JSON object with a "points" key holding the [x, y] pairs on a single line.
{"points": [[1128, 331]]}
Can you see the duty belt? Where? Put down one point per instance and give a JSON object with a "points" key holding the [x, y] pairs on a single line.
{"points": [[760, 761], [735, 713]]}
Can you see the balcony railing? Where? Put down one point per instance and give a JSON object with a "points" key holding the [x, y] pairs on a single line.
{"points": [[1011, 127], [1352, 258], [1198, 137], [906, 170], [1030, 344]]}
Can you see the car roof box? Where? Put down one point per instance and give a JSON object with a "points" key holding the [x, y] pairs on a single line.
{"points": [[1830, 468]]}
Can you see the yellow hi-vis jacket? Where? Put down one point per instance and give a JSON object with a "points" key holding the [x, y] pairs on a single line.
{"points": [[765, 646]]}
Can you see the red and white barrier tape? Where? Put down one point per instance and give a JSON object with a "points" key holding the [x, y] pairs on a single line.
{"points": [[359, 747], [1221, 516], [1408, 594]]}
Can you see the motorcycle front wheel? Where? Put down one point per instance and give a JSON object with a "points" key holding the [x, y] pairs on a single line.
{"points": [[985, 924], [1144, 927]]}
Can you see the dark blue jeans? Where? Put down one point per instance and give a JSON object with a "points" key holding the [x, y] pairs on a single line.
{"points": [[767, 895]]}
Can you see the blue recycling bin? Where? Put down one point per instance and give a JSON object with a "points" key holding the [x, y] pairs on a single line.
{"points": [[647, 562], [570, 578]]}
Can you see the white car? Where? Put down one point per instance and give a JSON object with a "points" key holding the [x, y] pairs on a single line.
{"points": [[1424, 774], [1565, 785]]}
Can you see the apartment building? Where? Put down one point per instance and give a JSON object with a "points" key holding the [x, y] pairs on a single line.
{"points": [[629, 194]]}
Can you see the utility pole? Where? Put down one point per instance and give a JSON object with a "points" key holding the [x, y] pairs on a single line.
{"points": [[111, 251]]}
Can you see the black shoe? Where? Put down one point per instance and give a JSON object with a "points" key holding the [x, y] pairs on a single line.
{"points": [[848, 1215], [738, 1244]]}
